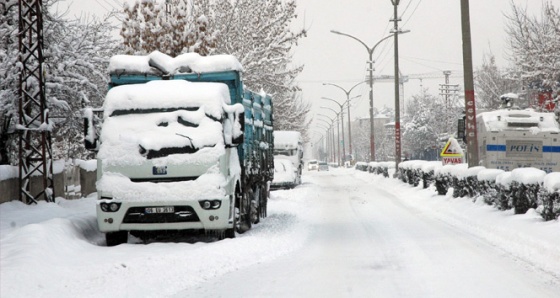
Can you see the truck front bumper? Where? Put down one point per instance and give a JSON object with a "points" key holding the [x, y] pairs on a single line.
{"points": [[114, 215]]}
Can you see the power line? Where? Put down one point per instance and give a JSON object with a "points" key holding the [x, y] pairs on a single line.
{"points": [[405, 22]]}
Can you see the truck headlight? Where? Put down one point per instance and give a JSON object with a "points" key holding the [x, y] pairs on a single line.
{"points": [[110, 206], [210, 204]]}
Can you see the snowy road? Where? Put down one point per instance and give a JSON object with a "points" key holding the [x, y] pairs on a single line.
{"points": [[365, 241], [343, 233]]}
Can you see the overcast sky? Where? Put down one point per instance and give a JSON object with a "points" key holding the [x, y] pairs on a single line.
{"points": [[433, 45]]}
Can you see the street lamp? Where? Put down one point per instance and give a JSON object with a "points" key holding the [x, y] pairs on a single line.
{"points": [[332, 128], [337, 131], [370, 52], [341, 106], [348, 103]]}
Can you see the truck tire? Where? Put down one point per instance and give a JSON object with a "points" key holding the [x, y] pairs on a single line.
{"points": [[255, 205], [116, 238], [243, 213], [265, 194]]}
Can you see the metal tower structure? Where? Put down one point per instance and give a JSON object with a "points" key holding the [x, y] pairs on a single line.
{"points": [[35, 152]]}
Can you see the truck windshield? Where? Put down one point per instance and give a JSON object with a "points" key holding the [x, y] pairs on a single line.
{"points": [[155, 133]]}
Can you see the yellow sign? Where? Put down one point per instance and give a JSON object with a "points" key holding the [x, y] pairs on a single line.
{"points": [[452, 149]]}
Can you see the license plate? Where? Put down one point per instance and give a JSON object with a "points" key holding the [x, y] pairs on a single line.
{"points": [[166, 209], [159, 170]]}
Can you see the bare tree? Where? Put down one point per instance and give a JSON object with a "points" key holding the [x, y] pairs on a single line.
{"points": [[535, 45], [491, 82]]}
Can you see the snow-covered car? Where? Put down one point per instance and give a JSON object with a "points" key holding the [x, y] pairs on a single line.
{"points": [[323, 166], [285, 175], [312, 165]]}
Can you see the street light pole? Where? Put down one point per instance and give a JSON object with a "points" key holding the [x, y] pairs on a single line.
{"points": [[332, 128], [338, 131], [330, 148], [341, 106], [348, 106], [370, 53]]}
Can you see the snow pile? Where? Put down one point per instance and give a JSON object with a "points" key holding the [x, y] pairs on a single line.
{"points": [[88, 165], [185, 63]]}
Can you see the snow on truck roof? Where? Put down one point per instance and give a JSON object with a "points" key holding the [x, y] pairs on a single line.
{"points": [[286, 138], [519, 120], [184, 63]]}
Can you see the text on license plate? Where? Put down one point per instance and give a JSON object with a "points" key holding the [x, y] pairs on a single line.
{"points": [[166, 209]]}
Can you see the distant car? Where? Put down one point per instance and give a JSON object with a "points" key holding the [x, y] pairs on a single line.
{"points": [[285, 175], [312, 165], [323, 166]]}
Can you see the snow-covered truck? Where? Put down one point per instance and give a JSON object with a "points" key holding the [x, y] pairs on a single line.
{"points": [[289, 145], [510, 139], [183, 146]]}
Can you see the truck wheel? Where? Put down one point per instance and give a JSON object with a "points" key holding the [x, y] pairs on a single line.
{"points": [[116, 238], [243, 213], [255, 206], [265, 194]]}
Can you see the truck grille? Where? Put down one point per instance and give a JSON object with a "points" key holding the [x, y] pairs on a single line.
{"points": [[181, 214]]}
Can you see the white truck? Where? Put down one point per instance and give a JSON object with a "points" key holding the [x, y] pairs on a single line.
{"points": [[179, 148], [289, 145], [510, 139]]}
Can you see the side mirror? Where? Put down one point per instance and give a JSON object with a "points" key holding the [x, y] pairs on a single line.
{"points": [[91, 140], [238, 128]]}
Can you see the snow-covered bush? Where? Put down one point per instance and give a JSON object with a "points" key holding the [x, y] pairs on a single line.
{"points": [[361, 166], [549, 197], [428, 172], [526, 183], [443, 179], [521, 189], [487, 185]]}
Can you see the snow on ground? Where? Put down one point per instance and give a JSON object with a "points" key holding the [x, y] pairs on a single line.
{"points": [[60, 246], [56, 250], [527, 236]]}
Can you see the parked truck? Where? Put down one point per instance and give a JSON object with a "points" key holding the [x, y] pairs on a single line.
{"points": [[183, 146], [289, 145]]}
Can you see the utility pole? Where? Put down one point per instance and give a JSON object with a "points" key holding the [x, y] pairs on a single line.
{"points": [[470, 108], [395, 32], [35, 152]]}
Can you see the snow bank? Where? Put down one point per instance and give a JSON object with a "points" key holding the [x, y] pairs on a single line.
{"points": [[12, 172], [8, 172]]}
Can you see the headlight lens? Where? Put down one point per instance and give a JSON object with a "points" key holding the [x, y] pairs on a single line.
{"points": [[110, 206], [210, 204]]}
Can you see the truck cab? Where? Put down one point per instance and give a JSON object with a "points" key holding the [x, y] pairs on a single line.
{"points": [[178, 149]]}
